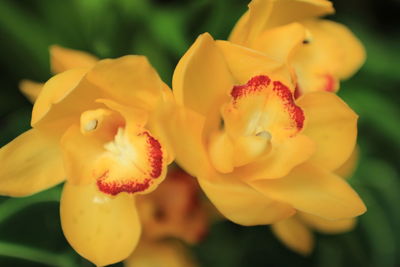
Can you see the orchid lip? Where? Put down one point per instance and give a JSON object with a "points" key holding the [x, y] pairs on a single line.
{"points": [[260, 114], [140, 153], [263, 104], [129, 158]]}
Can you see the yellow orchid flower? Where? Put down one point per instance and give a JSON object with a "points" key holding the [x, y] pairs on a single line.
{"points": [[92, 125], [173, 211], [259, 154], [321, 52], [296, 231]]}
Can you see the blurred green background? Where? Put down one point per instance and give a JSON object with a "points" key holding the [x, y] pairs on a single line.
{"points": [[30, 233]]}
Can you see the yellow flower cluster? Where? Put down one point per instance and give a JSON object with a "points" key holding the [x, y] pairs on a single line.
{"points": [[255, 119]]}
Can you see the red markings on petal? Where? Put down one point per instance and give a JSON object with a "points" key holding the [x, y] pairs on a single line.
{"points": [[295, 112], [330, 83], [271, 106], [155, 155], [112, 184], [255, 84], [115, 187]]}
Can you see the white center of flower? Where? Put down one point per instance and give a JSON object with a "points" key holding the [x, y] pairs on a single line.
{"points": [[121, 148]]}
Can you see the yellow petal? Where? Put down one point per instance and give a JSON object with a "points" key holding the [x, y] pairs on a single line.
{"points": [[353, 53], [201, 79], [129, 80], [130, 113], [314, 77], [295, 235], [335, 46], [234, 198], [70, 93], [221, 152], [333, 53], [332, 125], [30, 89], [281, 42], [327, 226], [266, 14], [255, 22], [102, 229], [29, 164], [313, 190], [245, 63], [286, 11], [161, 116], [79, 153], [160, 254], [348, 168], [249, 148], [183, 130], [239, 33], [280, 160], [62, 59], [53, 92]]}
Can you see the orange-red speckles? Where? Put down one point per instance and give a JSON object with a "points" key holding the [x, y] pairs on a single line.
{"points": [[255, 84], [115, 187], [296, 113], [155, 155]]}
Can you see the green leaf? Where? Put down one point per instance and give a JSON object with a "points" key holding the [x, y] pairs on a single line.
{"points": [[11, 206], [383, 180], [145, 45], [378, 232], [167, 27], [27, 39], [375, 110]]}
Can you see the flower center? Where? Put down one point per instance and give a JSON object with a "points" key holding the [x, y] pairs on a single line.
{"points": [[121, 148], [127, 157], [260, 113]]}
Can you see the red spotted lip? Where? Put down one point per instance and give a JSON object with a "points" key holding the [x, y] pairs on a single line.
{"points": [[258, 83], [296, 113], [155, 155], [255, 84], [132, 185], [114, 188]]}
